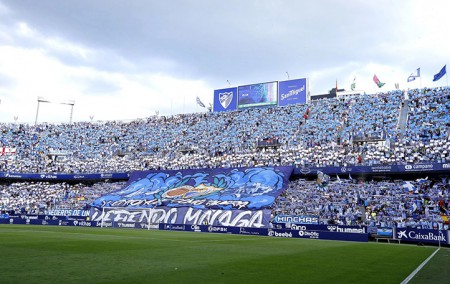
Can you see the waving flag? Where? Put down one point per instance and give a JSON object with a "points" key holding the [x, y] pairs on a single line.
{"points": [[413, 76], [408, 186], [5, 151], [353, 86], [440, 74], [200, 103], [377, 81]]}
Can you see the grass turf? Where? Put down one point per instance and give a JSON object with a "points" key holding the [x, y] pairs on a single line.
{"points": [[45, 254]]}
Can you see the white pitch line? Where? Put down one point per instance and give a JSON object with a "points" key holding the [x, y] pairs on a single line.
{"points": [[407, 279]]}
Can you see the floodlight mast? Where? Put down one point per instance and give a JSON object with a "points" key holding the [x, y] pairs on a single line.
{"points": [[71, 103]]}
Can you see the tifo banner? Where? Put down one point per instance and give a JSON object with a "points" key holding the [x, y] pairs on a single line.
{"points": [[68, 212], [422, 235], [184, 216], [257, 95], [292, 92], [225, 99], [239, 188]]}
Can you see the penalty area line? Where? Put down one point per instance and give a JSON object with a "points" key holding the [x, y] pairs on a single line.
{"points": [[407, 279]]}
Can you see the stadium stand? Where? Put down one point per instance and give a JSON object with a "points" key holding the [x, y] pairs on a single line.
{"points": [[356, 130]]}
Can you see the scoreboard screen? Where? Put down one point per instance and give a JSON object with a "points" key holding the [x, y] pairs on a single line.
{"points": [[257, 95]]}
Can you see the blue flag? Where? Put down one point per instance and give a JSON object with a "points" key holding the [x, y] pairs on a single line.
{"points": [[440, 74]]}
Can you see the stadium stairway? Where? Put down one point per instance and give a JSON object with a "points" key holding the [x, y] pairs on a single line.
{"points": [[403, 118], [363, 211]]}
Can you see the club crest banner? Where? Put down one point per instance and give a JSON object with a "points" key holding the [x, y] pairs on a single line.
{"points": [[225, 99]]}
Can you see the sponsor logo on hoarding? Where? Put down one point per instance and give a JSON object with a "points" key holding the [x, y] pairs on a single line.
{"points": [[8, 175], [106, 175], [272, 233], [297, 227], [195, 228], [49, 176], [244, 231], [430, 236], [126, 225], [31, 217], [419, 167], [217, 229], [310, 234], [344, 169], [446, 166], [382, 169], [84, 223], [346, 230], [305, 170], [63, 223], [176, 227]]}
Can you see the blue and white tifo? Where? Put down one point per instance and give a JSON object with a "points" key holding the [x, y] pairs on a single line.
{"points": [[239, 188]]}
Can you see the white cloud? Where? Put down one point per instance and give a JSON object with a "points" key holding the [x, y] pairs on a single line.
{"points": [[137, 96], [128, 61], [107, 95]]}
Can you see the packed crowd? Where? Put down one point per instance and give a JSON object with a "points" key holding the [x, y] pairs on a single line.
{"points": [[363, 129], [412, 204], [355, 130], [38, 197]]}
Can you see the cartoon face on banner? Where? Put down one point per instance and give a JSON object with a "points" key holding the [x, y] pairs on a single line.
{"points": [[241, 188]]}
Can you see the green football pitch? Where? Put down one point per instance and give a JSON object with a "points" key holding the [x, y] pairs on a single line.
{"points": [[45, 254]]}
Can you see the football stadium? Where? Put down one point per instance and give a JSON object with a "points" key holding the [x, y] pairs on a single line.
{"points": [[271, 183], [247, 200]]}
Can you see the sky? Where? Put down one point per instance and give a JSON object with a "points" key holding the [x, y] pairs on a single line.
{"points": [[129, 59]]}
